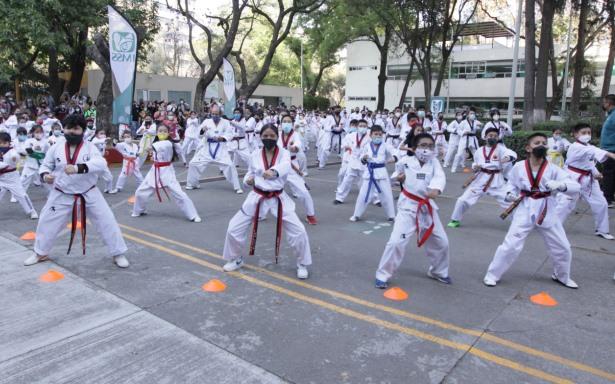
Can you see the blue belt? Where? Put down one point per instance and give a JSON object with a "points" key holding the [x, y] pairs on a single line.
{"points": [[215, 152], [372, 180]]}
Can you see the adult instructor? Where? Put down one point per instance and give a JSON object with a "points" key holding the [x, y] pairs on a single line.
{"points": [[607, 142]]}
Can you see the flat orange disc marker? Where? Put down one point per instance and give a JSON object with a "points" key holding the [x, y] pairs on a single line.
{"points": [[214, 285], [51, 276], [396, 294], [543, 298]]}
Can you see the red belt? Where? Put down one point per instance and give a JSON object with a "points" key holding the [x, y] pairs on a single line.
{"points": [[77, 197], [491, 173], [538, 195], [422, 202], [582, 173], [130, 165], [264, 195], [157, 182], [7, 170]]}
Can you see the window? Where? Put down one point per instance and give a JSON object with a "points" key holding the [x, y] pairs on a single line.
{"points": [[485, 69], [176, 96], [362, 67], [147, 95], [361, 98]]}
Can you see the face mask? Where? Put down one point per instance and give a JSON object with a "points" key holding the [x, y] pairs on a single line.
{"points": [[73, 139], [424, 154], [287, 127], [421, 113], [4, 150], [440, 118], [557, 137], [362, 130], [397, 114], [458, 118], [539, 151], [57, 133], [471, 116], [90, 126], [496, 117], [102, 137], [492, 142], [148, 123], [352, 129], [377, 140], [216, 119], [127, 140], [163, 136], [22, 138], [269, 143], [236, 116], [169, 117], [584, 138], [38, 136]]}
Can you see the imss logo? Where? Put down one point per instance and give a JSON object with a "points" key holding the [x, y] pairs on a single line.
{"points": [[123, 46]]}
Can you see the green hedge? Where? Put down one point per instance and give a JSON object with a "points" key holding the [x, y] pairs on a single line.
{"points": [[517, 141], [315, 102]]}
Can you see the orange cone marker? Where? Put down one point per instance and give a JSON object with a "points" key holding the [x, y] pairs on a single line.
{"points": [[467, 170], [28, 236], [396, 294], [214, 285], [51, 276], [131, 200], [543, 298]]}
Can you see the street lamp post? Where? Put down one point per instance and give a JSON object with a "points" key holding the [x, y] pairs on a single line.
{"points": [[513, 77]]}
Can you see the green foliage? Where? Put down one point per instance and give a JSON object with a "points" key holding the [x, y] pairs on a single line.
{"points": [[315, 102], [518, 140]]}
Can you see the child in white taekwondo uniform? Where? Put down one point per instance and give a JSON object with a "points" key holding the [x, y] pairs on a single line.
{"points": [[148, 132], [56, 135], [438, 128], [504, 129], [35, 147], [291, 141], [346, 151], [423, 179], [468, 142], [454, 130], [354, 146], [333, 129], [267, 173], [393, 129], [488, 178], [162, 177], [238, 146], [250, 130], [100, 142], [558, 145], [533, 184], [375, 156], [9, 177], [72, 167], [580, 165], [192, 134], [130, 163], [213, 150]]}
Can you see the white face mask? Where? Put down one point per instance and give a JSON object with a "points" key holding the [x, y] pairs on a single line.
{"points": [[496, 117], [424, 154], [127, 140], [584, 138], [397, 114], [471, 116], [38, 136]]}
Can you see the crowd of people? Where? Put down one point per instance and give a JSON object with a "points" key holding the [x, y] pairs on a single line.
{"points": [[61, 147]]}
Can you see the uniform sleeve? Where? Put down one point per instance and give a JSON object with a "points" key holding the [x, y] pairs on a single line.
{"points": [[600, 154], [572, 187], [283, 166], [438, 181], [390, 153], [250, 172], [228, 132], [48, 165], [507, 130], [97, 163], [510, 153], [178, 150]]}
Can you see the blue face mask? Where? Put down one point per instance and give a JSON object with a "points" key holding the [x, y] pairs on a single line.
{"points": [[287, 127], [237, 116], [216, 118], [22, 138], [377, 140], [362, 130], [57, 133], [352, 129]]}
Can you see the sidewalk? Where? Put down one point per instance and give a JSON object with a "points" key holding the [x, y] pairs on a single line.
{"points": [[74, 331]]}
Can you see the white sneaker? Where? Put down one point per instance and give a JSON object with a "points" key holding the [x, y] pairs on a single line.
{"points": [[302, 272], [353, 218], [239, 191], [13, 200], [33, 215], [489, 282], [233, 265], [121, 261], [570, 283], [34, 259], [134, 214], [606, 236], [190, 187], [196, 219], [113, 191]]}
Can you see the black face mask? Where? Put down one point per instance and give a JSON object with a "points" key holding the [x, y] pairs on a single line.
{"points": [[539, 151], [4, 150], [73, 139], [269, 143], [492, 142]]}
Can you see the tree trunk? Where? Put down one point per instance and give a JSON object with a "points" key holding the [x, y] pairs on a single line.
{"points": [[77, 63], [104, 105], [530, 64], [542, 69], [579, 60], [384, 59], [606, 84], [312, 90], [402, 98], [55, 86], [556, 85]]}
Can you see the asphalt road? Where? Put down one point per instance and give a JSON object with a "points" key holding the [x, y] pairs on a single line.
{"points": [[336, 327]]}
